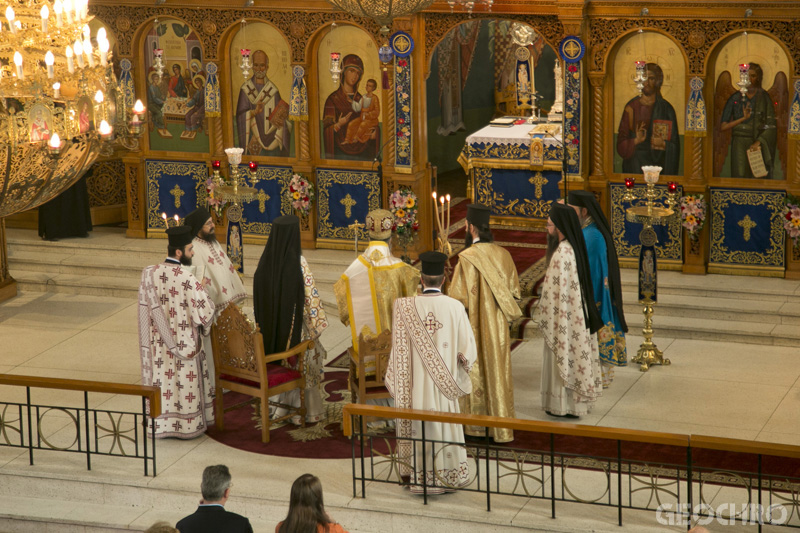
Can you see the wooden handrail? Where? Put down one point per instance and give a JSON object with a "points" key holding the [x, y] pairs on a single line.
{"points": [[577, 430], [151, 393], [745, 446], [558, 428]]}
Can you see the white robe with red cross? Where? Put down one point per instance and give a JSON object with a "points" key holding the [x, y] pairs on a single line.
{"points": [[174, 313]]}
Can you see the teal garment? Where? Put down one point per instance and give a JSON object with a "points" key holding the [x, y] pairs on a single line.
{"points": [[611, 338]]}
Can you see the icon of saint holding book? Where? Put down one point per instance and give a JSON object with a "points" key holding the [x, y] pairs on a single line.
{"points": [[648, 130]]}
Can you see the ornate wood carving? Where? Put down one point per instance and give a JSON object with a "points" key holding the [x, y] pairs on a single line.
{"points": [[438, 24], [391, 116], [796, 164], [218, 143], [106, 183], [697, 158], [597, 127], [697, 36], [304, 140], [296, 26], [132, 177]]}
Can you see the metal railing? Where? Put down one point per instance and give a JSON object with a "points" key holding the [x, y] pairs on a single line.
{"points": [[634, 481], [97, 431]]}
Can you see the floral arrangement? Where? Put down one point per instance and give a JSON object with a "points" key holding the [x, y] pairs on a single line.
{"points": [[301, 194], [791, 218], [217, 205], [403, 205], [693, 214]]}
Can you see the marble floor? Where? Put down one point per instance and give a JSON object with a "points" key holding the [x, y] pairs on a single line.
{"points": [[712, 388]]}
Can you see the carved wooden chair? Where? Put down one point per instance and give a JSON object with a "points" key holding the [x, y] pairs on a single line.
{"points": [[242, 367], [368, 367]]}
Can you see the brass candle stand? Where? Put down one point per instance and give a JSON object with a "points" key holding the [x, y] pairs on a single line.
{"points": [[235, 190], [649, 212]]}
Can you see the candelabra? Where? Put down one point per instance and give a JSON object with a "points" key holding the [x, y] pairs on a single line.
{"points": [[649, 212], [234, 190]]}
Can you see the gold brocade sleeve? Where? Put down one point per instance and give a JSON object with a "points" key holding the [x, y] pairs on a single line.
{"points": [[340, 290], [394, 282], [498, 270]]}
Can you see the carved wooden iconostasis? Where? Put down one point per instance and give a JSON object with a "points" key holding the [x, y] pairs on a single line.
{"points": [[300, 127]]}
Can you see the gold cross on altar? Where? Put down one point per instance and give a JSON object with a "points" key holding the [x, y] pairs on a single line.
{"points": [[572, 49], [539, 181], [348, 204], [177, 192], [747, 224], [262, 199]]}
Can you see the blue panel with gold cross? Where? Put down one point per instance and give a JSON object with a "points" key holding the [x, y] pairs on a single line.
{"points": [[626, 234], [517, 192], [174, 188], [747, 229], [272, 200], [344, 197]]}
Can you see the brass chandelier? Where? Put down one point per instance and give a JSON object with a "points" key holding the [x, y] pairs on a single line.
{"points": [[60, 104]]}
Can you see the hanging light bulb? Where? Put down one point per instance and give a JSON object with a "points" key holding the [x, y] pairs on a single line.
{"points": [[49, 60], [18, 63], [44, 13]]}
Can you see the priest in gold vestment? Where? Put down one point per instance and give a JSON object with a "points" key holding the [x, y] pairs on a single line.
{"points": [[368, 288], [486, 282]]}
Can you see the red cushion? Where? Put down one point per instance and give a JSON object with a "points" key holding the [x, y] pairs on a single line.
{"points": [[276, 375], [279, 374]]}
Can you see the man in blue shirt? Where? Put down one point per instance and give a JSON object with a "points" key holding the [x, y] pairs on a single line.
{"points": [[604, 265]]}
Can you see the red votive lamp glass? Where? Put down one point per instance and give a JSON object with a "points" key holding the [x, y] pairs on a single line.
{"points": [[630, 182], [215, 164], [253, 166], [672, 186]]}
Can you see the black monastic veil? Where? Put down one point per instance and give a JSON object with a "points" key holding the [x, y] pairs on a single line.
{"points": [[278, 290]]}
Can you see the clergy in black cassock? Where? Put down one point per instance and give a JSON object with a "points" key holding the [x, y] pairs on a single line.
{"points": [[67, 215]]}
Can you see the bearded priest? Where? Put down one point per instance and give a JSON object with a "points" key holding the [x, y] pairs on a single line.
{"points": [[568, 319], [174, 313]]}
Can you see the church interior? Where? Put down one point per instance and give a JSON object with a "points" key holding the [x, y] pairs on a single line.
{"points": [[331, 109]]}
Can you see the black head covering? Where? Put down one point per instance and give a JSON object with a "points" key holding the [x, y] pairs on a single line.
{"points": [[478, 215], [566, 220], [432, 263], [278, 290], [179, 236], [197, 219], [586, 199]]}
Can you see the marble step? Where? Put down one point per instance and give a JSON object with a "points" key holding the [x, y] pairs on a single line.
{"points": [[711, 329], [735, 309]]}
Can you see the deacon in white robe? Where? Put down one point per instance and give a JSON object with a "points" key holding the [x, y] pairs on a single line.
{"points": [[174, 313], [433, 350], [212, 267], [568, 319]]}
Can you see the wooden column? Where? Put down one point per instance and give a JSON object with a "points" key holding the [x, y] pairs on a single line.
{"points": [[8, 287], [598, 147], [137, 197]]}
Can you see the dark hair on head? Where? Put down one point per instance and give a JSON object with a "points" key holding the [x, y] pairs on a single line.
{"points": [[306, 509], [172, 249], [655, 69], [432, 281], [758, 69]]}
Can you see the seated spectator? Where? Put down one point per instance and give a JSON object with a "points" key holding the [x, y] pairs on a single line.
{"points": [[306, 510], [211, 516], [161, 527]]}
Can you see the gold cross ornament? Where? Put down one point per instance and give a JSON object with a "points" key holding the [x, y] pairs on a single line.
{"points": [[177, 192], [539, 181], [348, 204], [263, 198], [747, 224], [355, 227]]}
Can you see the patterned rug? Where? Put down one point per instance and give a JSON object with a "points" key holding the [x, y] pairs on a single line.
{"points": [[323, 440]]}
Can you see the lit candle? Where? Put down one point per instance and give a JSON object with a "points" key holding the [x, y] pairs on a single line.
{"points": [[58, 7], [56, 90], [70, 62], [102, 45], [448, 215], [630, 182], [105, 130], [164, 217], [87, 49], [10, 18], [436, 212], [253, 166], [45, 14], [49, 59], [216, 164], [101, 34], [98, 97], [68, 10], [177, 220], [84, 9], [78, 48], [245, 52], [87, 33], [138, 107], [18, 63], [54, 144], [672, 186]]}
